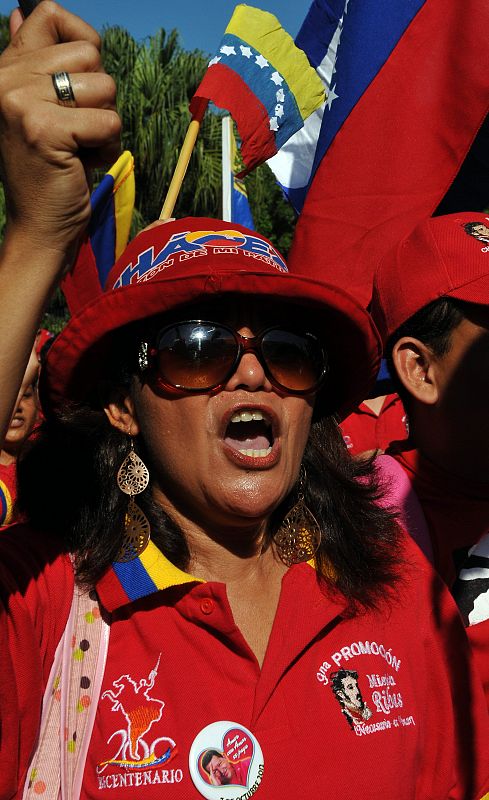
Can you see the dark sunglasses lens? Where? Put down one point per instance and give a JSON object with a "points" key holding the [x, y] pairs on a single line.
{"points": [[195, 355], [295, 361]]}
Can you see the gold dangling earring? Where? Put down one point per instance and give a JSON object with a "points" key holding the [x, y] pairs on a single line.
{"points": [[299, 535], [132, 479]]}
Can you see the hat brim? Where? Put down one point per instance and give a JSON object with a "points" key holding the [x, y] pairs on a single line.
{"points": [[77, 359]]}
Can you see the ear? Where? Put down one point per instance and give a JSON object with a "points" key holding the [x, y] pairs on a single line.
{"points": [[121, 412], [416, 368]]}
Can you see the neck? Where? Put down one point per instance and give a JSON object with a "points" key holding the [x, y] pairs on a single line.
{"points": [[225, 550], [242, 564], [375, 403], [6, 458]]}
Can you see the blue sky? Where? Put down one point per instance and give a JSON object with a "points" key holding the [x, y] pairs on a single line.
{"points": [[200, 22]]}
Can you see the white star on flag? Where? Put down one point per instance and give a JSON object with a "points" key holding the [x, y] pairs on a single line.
{"points": [[245, 51], [331, 96], [262, 62], [279, 110], [280, 96], [214, 60], [228, 50], [273, 124], [276, 78]]}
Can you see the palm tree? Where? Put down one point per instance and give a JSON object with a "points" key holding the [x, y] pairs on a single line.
{"points": [[156, 80]]}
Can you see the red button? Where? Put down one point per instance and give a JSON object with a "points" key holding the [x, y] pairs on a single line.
{"points": [[207, 605]]}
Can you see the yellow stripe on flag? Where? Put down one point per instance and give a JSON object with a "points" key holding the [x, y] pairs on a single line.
{"points": [[262, 30], [124, 196]]}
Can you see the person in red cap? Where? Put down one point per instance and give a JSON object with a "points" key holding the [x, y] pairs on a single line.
{"points": [[431, 305], [211, 568]]}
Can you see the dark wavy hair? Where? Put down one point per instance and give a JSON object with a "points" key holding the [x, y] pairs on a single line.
{"points": [[67, 486]]}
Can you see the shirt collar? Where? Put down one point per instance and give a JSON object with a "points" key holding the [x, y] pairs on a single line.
{"points": [[150, 572], [126, 582]]}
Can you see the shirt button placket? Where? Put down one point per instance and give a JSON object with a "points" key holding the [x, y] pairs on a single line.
{"points": [[207, 605]]}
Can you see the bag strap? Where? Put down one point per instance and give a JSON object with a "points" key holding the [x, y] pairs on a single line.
{"points": [[70, 703]]}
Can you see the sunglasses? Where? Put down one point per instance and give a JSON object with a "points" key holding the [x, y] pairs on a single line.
{"points": [[201, 356]]}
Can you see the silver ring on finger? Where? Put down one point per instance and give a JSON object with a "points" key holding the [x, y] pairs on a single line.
{"points": [[64, 89]]}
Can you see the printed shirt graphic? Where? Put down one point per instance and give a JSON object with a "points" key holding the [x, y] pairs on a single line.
{"points": [[366, 678], [141, 711]]}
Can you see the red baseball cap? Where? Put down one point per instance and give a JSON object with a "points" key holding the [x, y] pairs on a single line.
{"points": [[445, 256], [194, 259]]}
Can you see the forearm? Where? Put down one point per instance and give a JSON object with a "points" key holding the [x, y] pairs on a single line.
{"points": [[25, 293], [46, 151]]}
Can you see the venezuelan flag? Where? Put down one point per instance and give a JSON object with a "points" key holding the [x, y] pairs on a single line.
{"points": [[112, 206], [263, 80], [108, 233], [235, 205], [396, 143]]}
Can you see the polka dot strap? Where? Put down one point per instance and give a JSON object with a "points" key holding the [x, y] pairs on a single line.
{"points": [[70, 703]]}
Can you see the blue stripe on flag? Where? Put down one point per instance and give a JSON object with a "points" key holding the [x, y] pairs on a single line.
{"points": [[319, 28], [347, 42], [370, 33], [261, 84], [240, 208], [102, 229]]}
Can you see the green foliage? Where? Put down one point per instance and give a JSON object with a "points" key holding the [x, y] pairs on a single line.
{"points": [[56, 315], [155, 80]]}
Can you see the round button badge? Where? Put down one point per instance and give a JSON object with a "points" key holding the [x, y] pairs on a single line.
{"points": [[226, 762]]}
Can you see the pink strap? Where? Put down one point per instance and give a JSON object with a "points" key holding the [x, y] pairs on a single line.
{"points": [[399, 494], [70, 704]]}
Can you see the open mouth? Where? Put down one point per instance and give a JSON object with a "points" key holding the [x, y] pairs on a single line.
{"points": [[16, 422], [249, 432]]}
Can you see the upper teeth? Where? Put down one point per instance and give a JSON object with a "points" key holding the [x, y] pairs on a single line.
{"points": [[248, 416]]}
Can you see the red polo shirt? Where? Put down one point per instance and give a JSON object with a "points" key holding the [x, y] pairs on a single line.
{"points": [[364, 430], [378, 704]]}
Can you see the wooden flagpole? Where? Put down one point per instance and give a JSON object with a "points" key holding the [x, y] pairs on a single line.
{"points": [[183, 160]]}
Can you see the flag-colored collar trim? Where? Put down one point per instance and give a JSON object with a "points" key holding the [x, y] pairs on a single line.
{"points": [[132, 580], [150, 572]]}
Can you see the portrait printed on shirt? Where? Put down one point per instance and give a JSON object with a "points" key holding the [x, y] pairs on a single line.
{"points": [[226, 761], [344, 684]]}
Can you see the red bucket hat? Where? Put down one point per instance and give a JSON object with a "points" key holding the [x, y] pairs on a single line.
{"points": [[194, 259], [445, 256]]}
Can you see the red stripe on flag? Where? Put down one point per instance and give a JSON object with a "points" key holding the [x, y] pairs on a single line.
{"points": [[227, 90], [82, 284], [400, 148]]}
